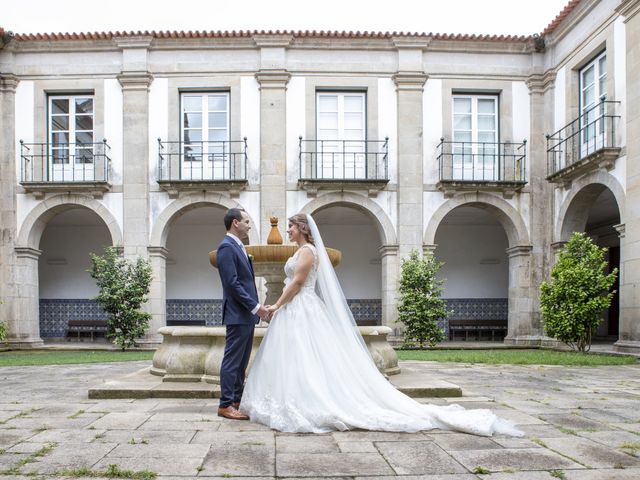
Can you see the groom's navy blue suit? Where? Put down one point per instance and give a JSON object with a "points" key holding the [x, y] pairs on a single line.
{"points": [[239, 298]]}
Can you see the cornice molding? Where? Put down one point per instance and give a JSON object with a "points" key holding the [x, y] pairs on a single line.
{"points": [[8, 82], [420, 43], [628, 9], [160, 252], [132, 81], [143, 41], [28, 252], [519, 251], [273, 79], [541, 82], [272, 40], [410, 80]]}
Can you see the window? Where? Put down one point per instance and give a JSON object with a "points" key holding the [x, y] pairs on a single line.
{"points": [[71, 138], [205, 136], [475, 137], [341, 135], [593, 94]]}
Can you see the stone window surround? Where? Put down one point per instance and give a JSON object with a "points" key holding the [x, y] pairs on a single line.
{"points": [[501, 88], [177, 86], [43, 89], [368, 86], [604, 42]]}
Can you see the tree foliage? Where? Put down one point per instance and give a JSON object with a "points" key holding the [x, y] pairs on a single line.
{"points": [[579, 291], [421, 307], [124, 286]]}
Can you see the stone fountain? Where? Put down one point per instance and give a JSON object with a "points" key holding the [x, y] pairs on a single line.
{"points": [[194, 354]]}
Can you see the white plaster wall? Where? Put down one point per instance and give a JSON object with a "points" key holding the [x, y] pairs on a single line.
{"points": [[470, 254], [113, 128], [388, 122], [359, 272], [432, 127], [158, 123], [520, 113], [189, 273], [296, 126], [250, 124], [65, 260], [559, 103], [620, 79]]}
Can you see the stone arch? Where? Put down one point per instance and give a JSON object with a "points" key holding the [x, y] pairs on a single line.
{"points": [[182, 205], [381, 220], [573, 213], [36, 221], [508, 216]]}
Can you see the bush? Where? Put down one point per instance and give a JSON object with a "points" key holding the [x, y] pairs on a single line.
{"points": [[124, 286], [579, 291], [3, 331], [421, 307]]}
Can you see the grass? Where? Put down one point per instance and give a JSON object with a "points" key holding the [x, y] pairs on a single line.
{"points": [[516, 357], [67, 357], [113, 471]]}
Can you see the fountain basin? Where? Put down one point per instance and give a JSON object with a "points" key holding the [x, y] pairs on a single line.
{"points": [[194, 354]]}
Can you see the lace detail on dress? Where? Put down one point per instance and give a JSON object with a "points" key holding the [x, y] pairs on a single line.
{"points": [[290, 268]]}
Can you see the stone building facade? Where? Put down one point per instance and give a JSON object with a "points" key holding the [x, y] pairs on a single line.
{"points": [[487, 150]]}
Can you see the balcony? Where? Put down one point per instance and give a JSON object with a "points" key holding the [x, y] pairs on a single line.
{"points": [[65, 167], [586, 144], [482, 166], [202, 166], [343, 164]]}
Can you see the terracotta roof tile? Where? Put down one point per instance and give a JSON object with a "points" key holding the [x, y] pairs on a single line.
{"points": [[560, 17], [25, 37]]}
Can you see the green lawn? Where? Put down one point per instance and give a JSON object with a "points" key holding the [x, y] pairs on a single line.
{"points": [[63, 357], [518, 357]]}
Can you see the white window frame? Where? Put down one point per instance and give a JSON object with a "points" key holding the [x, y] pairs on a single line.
{"points": [[214, 160], [78, 164], [475, 161], [592, 121], [339, 157]]}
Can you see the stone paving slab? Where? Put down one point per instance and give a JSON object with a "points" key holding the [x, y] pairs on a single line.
{"points": [[585, 413]]}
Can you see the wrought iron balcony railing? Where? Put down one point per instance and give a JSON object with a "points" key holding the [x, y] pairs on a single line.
{"points": [[592, 132], [58, 163], [344, 160], [221, 161], [482, 162]]}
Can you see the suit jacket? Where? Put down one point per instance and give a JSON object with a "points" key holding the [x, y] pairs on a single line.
{"points": [[239, 294]]}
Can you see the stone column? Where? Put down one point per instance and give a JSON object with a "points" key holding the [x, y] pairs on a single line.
{"points": [[135, 81], [273, 79], [409, 87], [157, 304], [629, 326], [25, 322], [389, 260], [18, 272], [524, 328]]}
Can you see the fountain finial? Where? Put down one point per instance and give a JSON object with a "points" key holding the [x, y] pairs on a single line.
{"points": [[274, 237]]}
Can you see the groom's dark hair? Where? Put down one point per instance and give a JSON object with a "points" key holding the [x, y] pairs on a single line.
{"points": [[231, 215]]}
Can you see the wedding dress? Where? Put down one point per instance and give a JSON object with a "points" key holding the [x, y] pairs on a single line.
{"points": [[313, 372]]}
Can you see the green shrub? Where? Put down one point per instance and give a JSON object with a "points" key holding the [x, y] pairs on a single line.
{"points": [[421, 307], [579, 291], [124, 286], [3, 331]]}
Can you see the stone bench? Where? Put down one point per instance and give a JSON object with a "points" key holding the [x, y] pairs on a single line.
{"points": [[86, 326], [477, 327]]}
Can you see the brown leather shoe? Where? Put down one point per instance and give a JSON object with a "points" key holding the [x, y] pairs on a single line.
{"points": [[236, 405], [231, 413]]}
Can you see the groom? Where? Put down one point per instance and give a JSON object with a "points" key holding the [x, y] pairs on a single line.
{"points": [[240, 311]]}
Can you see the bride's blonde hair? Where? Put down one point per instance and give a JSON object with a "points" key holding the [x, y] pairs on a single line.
{"points": [[300, 221]]}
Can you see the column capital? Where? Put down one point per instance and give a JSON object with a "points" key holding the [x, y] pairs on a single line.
{"points": [[273, 79], [160, 252], [8, 82], [388, 250], [132, 81], [557, 246], [519, 251], [620, 228], [410, 80], [429, 248], [539, 83], [28, 252]]}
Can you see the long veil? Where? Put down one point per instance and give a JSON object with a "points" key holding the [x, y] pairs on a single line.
{"points": [[328, 288]]}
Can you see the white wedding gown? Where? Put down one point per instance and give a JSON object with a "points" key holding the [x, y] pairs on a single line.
{"points": [[310, 375]]}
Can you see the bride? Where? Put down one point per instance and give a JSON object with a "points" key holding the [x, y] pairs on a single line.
{"points": [[313, 372]]}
